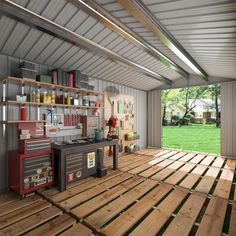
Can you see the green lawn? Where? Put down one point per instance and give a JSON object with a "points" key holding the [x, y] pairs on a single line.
{"points": [[196, 137]]}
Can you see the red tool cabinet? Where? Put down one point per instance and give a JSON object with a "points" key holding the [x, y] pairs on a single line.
{"points": [[31, 171]]}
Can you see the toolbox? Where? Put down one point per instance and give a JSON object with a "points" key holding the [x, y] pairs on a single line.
{"points": [[80, 165], [29, 172], [44, 78], [34, 145]]}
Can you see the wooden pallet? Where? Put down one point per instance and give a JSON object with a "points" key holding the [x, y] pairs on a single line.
{"points": [[156, 191], [35, 216]]}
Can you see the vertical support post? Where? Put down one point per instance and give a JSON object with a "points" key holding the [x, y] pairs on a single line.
{"points": [[115, 156], [4, 109], [101, 170]]}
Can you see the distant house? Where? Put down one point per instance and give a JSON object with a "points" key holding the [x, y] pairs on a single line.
{"points": [[204, 110], [174, 110]]}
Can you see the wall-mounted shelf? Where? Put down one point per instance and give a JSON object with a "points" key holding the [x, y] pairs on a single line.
{"points": [[11, 102], [21, 121], [52, 86]]}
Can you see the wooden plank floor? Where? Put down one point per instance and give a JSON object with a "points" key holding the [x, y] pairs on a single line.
{"points": [[154, 192]]}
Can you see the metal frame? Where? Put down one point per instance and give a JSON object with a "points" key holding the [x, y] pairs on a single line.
{"points": [[141, 13], [95, 10], [34, 20]]}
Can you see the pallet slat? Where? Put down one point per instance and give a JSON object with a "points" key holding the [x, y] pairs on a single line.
{"points": [[187, 157], [54, 226], [31, 222], [145, 166], [136, 163], [208, 160], [102, 216], [193, 177], [92, 192], [230, 164], [126, 220], [78, 189], [180, 174], [185, 218], [8, 197], [178, 156], [235, 193], [159, 216], [223, 186], [232, 226], [197, 158], [208, 180], [8, 208], [218, 162], [23, 213], [167, 171], [154, 169], [79, 229], [97, 202], [213, 219]]}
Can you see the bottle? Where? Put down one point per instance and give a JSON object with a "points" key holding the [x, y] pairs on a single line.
{"points": [[23, 113], [68, 100], [49, 98], [45, 97], [38, 97], [53, 97]]}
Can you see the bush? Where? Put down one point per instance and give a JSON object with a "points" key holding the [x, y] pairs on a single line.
{"points": [[190, 118], [175, 120], [165, 122]]}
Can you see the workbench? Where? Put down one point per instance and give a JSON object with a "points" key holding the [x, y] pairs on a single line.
{"points": [[78, 151]]}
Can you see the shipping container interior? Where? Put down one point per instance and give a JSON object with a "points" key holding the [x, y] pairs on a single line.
{"points": [[81, 147]]}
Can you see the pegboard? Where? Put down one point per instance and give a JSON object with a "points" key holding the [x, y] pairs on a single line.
{"points": [[123, 109]]}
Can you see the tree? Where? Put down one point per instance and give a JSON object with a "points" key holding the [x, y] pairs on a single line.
{"points": [[188, 93], [169, 98], [214, 93]]}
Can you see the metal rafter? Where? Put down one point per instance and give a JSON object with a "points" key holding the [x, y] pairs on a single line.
{"points": [[141, 13], [34, 20], [95, 10]]}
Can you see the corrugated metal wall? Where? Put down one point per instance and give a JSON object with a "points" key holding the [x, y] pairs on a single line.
{"points": [[228, 119], [154, 119], [8, 66]]}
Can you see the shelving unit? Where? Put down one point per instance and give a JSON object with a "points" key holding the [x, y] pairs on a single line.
{"points": [[47, 85], [9, 102], [22, 82], [21, 121]]}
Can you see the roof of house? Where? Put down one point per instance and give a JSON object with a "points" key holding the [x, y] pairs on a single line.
{"points": [[203, 104]]}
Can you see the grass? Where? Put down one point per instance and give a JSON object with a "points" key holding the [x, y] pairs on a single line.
{"points": [[194, 137]]}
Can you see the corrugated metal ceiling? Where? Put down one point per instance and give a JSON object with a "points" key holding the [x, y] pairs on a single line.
{"points": [[205, 28], [24, 42]]}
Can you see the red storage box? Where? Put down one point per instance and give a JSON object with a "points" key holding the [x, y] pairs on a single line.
{"points": [[29, 172]]}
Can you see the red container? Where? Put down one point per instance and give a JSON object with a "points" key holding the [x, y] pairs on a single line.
{"points": [[71, 80], [29, 172], [34, 145], [23, 113]]}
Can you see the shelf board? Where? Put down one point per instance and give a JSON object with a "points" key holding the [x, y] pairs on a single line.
{"points": [[53, 86], [21, 121], [11, 102]]}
